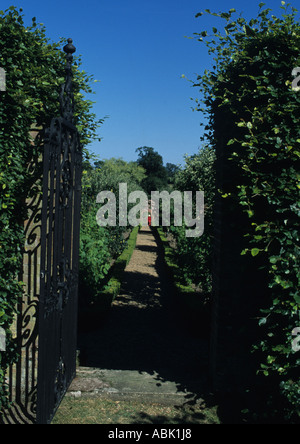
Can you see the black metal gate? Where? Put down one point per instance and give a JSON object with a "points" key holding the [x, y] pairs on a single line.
{"points": [[59, 255], [45, 329]]}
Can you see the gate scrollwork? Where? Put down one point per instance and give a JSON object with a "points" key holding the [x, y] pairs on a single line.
{"points": [[45, 329]]}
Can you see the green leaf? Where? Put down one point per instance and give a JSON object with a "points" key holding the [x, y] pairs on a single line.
{"points": [[230, 142], [262, 321], [297, 298], [255, 251]]}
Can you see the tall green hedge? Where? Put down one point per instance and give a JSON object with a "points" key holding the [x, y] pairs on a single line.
{"points": [[253, 123], [35, 70], [194, 255]]}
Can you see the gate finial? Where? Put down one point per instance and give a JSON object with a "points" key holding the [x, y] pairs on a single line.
{"points": [[70, 48], [66, 95]]}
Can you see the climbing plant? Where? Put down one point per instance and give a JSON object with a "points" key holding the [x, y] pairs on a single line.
{"points": [[252, 114], [35, 70]]}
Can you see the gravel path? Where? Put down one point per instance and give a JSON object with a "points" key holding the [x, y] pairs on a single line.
{"points": [[144, 337]]}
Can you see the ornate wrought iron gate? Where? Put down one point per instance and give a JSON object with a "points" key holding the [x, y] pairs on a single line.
{"points": [[59, 256], [46, 327]]}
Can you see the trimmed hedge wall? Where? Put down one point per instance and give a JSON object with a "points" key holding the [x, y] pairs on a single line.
{"points": [[112, 289], [253, 124], [104, 297]]}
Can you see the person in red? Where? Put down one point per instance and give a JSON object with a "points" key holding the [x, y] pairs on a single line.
{"points": [[149, 220]]}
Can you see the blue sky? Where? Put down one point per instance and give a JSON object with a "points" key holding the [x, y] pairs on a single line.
{"points": [[139, 51]]}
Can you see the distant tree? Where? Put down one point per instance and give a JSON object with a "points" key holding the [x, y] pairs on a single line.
{"points": [[171, 170], [107, 175], [129, 172], [156, 174], [98, 164]]}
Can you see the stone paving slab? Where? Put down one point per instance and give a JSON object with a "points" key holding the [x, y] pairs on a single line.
{"points": [[127, 384]]}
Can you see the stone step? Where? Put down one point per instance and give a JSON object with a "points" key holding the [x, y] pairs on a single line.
{"points": [[130, 384]]}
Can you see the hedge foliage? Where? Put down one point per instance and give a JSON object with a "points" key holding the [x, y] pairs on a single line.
{"points": [[113, 286], [253, 113], [186, 294], [194, 255], [35, 70]]}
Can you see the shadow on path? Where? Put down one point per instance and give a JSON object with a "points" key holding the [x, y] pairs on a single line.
{"points": [[144, 332]]}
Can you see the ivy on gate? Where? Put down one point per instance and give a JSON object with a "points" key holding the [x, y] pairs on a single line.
{"points": [[35, 71], [253, 112]]}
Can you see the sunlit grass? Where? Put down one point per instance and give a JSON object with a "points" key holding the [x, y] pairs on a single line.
{"points": [[103, 411]]}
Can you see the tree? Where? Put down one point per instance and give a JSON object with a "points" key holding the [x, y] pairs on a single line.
{"points": [[152, 162], [171, 170]]}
